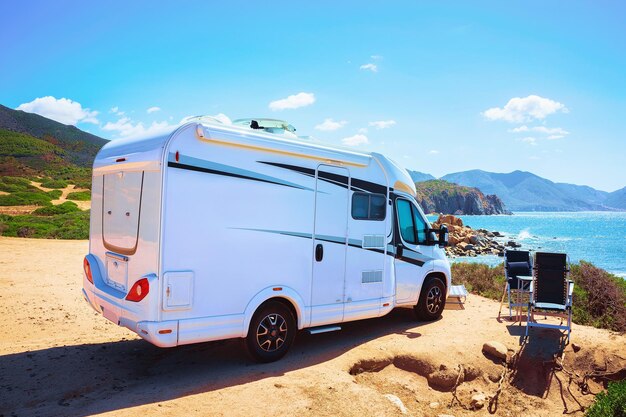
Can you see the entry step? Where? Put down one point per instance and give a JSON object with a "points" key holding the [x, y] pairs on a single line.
{"points": [[323, 329]]}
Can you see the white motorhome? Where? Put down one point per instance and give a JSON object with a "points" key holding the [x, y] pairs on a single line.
{"points": [[224, 231]]}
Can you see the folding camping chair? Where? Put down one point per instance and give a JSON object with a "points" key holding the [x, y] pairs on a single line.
{"points": [[551, 291], [518, 274]]}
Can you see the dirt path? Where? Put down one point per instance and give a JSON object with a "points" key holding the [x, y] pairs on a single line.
{"points": [[58, 357], [18, 210]]}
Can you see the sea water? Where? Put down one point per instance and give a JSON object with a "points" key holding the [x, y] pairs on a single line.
{"points": [[596, 237]]}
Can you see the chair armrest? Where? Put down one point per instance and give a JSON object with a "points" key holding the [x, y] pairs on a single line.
{"points": [[570, 292]]}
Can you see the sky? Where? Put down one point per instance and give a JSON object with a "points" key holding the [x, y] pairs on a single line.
{"points": [[440, 87]]}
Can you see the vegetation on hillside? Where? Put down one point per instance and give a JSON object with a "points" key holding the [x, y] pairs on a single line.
{"points": [[439, 196], [79, 196], [69, 225], [599, 297]]}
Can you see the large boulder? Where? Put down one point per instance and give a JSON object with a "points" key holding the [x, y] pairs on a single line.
{"points": [[495, 350]]}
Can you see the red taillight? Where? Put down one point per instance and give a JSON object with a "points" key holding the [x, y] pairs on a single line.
{"points": [[87, 269], [139, 290]]}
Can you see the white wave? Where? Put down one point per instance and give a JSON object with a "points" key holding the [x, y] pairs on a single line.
{"points": [[524, 234]]}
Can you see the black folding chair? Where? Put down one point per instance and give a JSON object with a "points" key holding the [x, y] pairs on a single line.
{"points": [[551, 291], [518, 273]]}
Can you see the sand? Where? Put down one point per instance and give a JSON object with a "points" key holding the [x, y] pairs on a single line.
{"points": [[58, 357]]}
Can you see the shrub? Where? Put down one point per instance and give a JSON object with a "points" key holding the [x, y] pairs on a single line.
{"points": [[79, 196], [73, 225], [67, 207], [611, 403], [600, 297], [50, 183], [55, 194], [13, 184], [25, 198], [479, 278]]}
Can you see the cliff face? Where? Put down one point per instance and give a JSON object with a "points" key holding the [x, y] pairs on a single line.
{"points": [[438, 196]]}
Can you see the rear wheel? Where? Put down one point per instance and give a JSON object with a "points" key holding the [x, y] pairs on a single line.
{"points": [[432, 300], [271, 332]]}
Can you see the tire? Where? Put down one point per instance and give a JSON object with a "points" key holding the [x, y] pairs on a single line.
{"points": [[271, 333], [432, 300]]}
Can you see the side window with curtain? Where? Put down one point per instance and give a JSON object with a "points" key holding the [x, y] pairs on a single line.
{"points": [[367, 206], [406, 221]]}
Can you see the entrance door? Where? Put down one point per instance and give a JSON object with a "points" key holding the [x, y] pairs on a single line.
{"points": [[329, 244]]}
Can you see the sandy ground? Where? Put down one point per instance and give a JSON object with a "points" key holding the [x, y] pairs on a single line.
{"points": [[58, 357]]}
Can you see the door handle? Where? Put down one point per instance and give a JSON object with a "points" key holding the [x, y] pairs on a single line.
{"points": [[319, 252], [399, 250]]}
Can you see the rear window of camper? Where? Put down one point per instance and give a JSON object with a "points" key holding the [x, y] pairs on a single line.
{"points": [[368, 206]]}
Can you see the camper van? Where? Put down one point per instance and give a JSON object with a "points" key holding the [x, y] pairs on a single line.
{"points": [[219, 231]]}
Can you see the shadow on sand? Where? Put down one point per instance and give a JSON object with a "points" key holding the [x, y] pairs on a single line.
{"points": [[82, 379]]}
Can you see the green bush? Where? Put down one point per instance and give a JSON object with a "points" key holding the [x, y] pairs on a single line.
{"points": [[61, 226], [67, 207], [55, 194], [25, 198], [611, 403], [79, 196], [479, 278], [50, 183], [13, 184]]}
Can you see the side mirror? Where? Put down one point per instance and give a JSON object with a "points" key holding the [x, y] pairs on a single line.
{"points": [[443, 236]]}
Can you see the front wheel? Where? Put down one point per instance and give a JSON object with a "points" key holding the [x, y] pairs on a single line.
{"points": [[432, 300], [271, 332]]}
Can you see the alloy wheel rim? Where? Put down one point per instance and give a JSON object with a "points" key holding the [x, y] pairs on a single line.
{"points": [[271, 332], [434, 300]]}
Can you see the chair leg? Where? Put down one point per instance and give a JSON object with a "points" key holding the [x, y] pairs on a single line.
{"points": [[502, 299]]}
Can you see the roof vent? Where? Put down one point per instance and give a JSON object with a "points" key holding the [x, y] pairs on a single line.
{"points": [[274, 126]]}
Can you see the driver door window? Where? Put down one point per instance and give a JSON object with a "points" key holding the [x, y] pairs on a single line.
{"points": [[413, 228]]}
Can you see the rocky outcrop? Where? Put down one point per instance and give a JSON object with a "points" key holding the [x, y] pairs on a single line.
{"points": [[438, 196], [465, 241]]}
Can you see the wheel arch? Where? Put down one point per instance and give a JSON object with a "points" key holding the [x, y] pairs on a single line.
{"points": [[287, 296]]}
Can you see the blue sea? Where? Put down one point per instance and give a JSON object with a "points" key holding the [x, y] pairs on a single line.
{"points": [[597, 237]]}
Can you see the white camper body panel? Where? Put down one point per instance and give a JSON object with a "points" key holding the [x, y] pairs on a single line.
{"points": [[219, 220]]}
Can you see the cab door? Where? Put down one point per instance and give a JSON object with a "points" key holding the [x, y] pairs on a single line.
{"points": [[413, 251]]}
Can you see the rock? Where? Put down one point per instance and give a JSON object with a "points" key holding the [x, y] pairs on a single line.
{"points": [[513, 244], [495, 349], [443, 379], [434, 405], [496, 234], [478, 401], [575, 347], [470, 247], [397, 402], [445, 415]]}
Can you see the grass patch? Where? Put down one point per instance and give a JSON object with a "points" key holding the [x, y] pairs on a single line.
{"points": [[73, 225], [24, 198], [50, 183], [599, 297], [79, 196], [13, 184], [67, 207], [611, 403], [55, 194]]}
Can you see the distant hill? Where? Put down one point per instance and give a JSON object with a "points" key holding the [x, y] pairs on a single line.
{"points": [[439, 196], [617, 199], [34, 145], [417, 176], [524, 191]]}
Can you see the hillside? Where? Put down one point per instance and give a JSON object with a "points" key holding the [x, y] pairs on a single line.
{"points": [[417, 176], [617, 199], [32, 145], [438, 196], [524, 191], [80, 147]]}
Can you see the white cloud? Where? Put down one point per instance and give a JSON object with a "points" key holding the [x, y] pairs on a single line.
{"points": [[116, 111], [519, 110], [433, 152], [330, 124], [529, 140], [552, 137], [62, 110], [550, 131], [520, 129], [534, 158], [376, 57], [355, 140], [369, 67], [126, 128], [382, 124], [153, 109], [293, 102], [362, 130]]}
